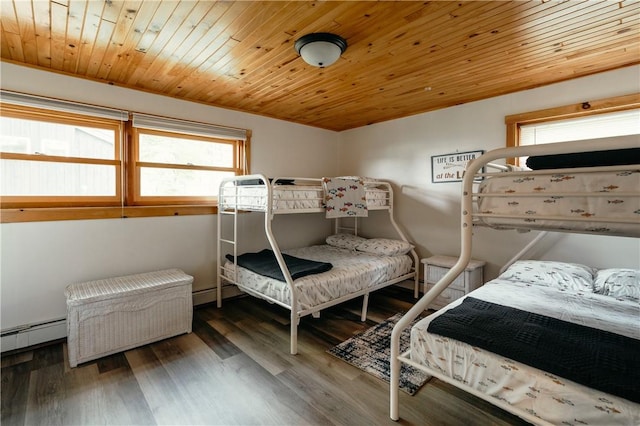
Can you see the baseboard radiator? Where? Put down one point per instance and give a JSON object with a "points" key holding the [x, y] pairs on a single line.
{"points": [[33, 334], [27, 335]]}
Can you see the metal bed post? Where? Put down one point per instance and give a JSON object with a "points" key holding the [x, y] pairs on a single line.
{"points": [[414, 255], [268, 217], [425, 301], [219, 266], [466, 236]]}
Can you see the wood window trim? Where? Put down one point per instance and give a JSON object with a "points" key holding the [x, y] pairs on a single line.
{"points": [[8, 203], [32, 211], [133, 167], [83, 213], [583, 109]]}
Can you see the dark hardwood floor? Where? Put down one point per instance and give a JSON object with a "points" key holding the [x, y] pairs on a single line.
{"points": [[234, 369]]}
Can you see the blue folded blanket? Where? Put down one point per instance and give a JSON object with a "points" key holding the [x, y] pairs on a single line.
{"points": [[265, 263]]}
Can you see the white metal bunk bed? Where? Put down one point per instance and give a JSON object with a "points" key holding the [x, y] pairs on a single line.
{"points": [[278, 196], [464, 365]]}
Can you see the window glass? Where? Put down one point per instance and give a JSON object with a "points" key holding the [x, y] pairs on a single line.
{"points": [[180, 150], [621, 123], [65, 159], [158, 182], [52, 158], [57, 139], [178, 168], [617, 117], [44, 178]]}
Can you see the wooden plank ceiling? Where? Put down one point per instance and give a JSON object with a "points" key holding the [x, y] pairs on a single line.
{"points": [[403, 57]]}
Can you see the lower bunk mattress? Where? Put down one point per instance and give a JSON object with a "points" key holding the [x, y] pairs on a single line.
{"points": [[542, 395], [352, 272]]}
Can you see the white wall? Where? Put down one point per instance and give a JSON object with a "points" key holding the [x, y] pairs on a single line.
{"points": [[38, 260], [401, 150]]}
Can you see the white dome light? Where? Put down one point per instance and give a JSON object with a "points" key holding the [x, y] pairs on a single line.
{"points": [[320, 49]]}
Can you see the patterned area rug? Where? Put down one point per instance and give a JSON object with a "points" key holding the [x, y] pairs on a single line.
{"points": [[370, 352]]}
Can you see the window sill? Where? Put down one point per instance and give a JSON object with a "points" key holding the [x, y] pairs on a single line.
{"points": [[84, 213]]}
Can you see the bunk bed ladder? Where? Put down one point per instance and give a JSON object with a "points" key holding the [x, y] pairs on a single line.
{"points": [[338, 226], [222, 212], [352, 229]]}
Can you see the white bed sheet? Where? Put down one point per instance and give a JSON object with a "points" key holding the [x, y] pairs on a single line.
{"points": [[553, 399], [290, 197], [612, 206], [352, 271]]}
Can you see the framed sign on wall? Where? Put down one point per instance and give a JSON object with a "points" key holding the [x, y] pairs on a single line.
{"points": [[450, 167]]}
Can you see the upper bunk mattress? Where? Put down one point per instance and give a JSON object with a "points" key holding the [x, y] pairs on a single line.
{"points": [[290, 197], [600, 201], [352, 271], [546, 396]]}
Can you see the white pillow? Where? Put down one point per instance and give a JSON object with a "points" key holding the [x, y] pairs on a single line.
{"points": [[619, 283], [565, 276], [385, 247], [345, 241]]}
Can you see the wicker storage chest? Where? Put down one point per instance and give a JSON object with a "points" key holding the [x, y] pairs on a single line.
{"points": [[120, 313]]}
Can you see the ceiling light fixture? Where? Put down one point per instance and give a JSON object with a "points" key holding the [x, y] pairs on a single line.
{"points": [[320, 49]]}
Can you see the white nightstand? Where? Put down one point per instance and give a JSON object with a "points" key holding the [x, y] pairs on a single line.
{"points": [[436, 267]]}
